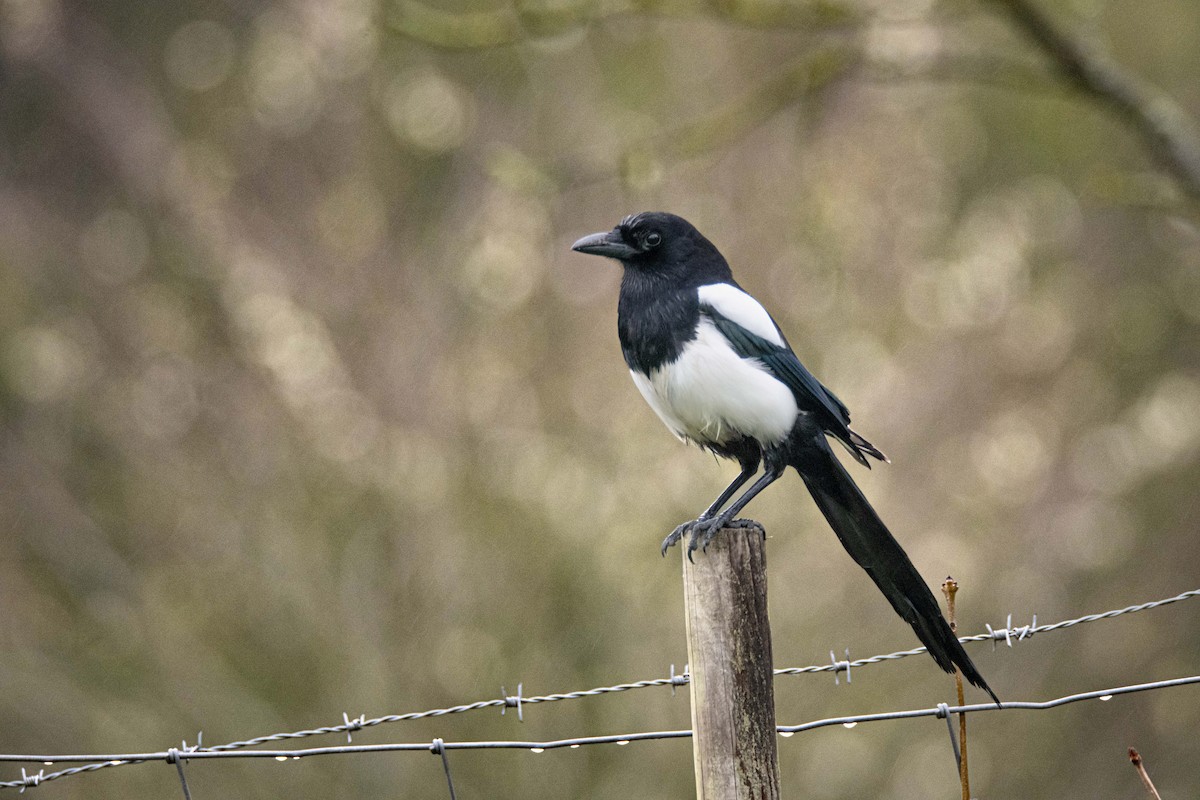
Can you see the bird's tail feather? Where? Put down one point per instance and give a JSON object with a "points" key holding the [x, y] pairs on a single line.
{"points": [[857, 446], [861, 443], [869, 543]]}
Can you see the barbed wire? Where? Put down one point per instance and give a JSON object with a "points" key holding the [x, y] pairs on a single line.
{"points": [[176, 756], [1007, 634]]}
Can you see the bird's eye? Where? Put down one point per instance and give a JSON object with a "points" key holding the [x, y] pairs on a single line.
{"points": [[653, 239]]}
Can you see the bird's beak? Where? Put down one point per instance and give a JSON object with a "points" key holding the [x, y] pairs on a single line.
{"points": [[608, 244]]}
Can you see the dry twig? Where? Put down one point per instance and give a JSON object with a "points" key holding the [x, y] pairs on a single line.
{"points": [[1136, 758], [950, 588]]}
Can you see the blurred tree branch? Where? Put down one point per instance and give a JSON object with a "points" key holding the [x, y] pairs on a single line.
{"points": [[814, 73], [975, 69], [1167, 130], [522, 21]]}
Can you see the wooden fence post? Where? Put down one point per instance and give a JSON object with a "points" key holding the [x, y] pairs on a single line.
{"points": [[732, 678]]}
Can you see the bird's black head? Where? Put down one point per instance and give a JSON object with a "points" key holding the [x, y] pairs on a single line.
{"points": [[660, 244]]}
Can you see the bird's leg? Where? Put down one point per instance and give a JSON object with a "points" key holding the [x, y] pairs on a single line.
{"points": [[703, 531], [748, 470], [749, 467]]}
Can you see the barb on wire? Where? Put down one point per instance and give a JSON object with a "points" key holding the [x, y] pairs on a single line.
{"points": [[939, 711], [29, 781], [680, 680], [512, 702], [351, 725], [836, 666], [1006, 633]]}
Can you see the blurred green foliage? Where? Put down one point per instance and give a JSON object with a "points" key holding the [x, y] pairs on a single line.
{"points": [[307, 407]]}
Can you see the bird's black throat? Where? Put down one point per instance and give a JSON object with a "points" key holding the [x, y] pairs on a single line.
{"points": [[654, 322]]}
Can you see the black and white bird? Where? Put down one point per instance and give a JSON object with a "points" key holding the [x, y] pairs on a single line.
{"points": [[715, 367]]}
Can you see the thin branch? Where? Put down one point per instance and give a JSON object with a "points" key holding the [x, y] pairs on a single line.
{"points": [[950, 589], [1167, 130], [1136, 758]]}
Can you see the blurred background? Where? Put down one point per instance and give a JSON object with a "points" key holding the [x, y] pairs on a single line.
{"points": [[307, 407]]}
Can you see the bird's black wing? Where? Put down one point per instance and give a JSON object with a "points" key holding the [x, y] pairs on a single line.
{"points": [[809, 392]]}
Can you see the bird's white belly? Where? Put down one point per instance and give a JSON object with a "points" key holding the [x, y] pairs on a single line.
{"points": [[710, 394]]}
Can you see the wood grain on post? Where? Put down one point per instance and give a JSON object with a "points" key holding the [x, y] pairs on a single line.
{"points": [[732, 675]]}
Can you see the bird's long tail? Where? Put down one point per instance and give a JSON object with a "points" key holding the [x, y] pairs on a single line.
{"points": [[871, 544]]}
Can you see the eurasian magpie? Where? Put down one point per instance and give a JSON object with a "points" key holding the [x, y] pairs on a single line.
{"points": [[716, 368]]}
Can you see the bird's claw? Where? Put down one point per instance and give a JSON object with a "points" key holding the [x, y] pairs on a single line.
{"points": [[702, 531], [676, 535]]}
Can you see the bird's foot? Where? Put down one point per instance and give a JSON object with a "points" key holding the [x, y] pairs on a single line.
{"points": [[702, 534], [746, 523], [677, 534], [702, 531]]}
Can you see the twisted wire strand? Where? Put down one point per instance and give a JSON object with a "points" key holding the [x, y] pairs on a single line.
{"points": [[940, 711], [1007, 634]]}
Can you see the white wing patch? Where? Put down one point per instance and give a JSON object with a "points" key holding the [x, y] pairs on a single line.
{"points": [[737, 306], [710, 394]]}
